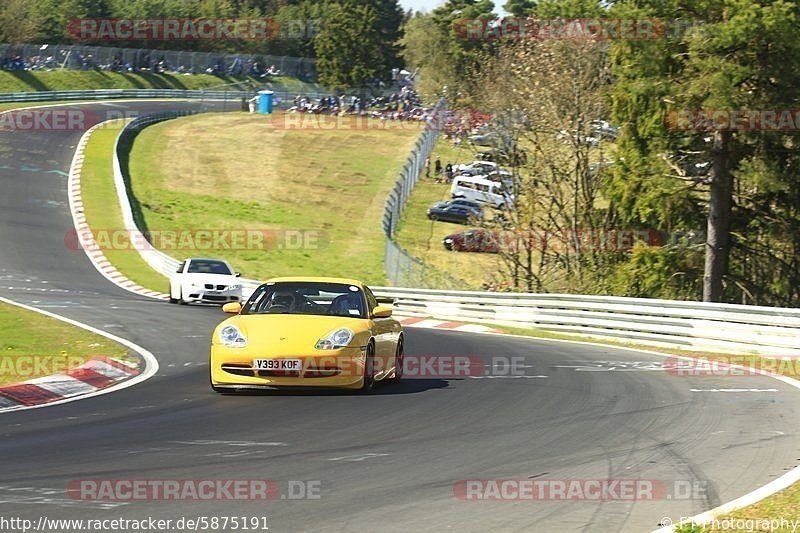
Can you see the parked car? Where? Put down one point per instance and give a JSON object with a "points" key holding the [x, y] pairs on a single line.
{"points": [[459, 214], [479, 189], [601, 129], [474, 240], [204, 280], [475, 206], [485, 139], [475, 168]]}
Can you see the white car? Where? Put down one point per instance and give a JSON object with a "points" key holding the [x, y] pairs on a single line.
{"points": [[475, 168], [205, 280], [481, 190]]}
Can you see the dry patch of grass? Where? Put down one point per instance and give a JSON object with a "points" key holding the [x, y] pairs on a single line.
{"points": [[243, 171]]}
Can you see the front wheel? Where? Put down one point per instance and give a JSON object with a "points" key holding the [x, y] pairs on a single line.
{"points": [[369, 369]]}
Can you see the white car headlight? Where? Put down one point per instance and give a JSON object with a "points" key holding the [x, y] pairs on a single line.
{"points": [[232, 337], [335, 339]]}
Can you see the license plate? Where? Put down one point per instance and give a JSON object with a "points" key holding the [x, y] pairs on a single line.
{"points": [[286, 365]]}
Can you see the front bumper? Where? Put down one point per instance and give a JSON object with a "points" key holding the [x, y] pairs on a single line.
{"points": [[232, 368], [208, 296]]}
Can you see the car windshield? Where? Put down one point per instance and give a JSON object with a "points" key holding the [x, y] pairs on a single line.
{"points": [[208, 266], [307, 298]]}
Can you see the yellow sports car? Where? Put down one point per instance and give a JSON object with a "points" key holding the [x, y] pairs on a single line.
{"points": [[306, 332]]}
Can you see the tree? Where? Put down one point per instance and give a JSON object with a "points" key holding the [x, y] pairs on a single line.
{"points": [[738, 56], [519, 8], [544, 97], [348, 45], [17, 24], [424, 49]]}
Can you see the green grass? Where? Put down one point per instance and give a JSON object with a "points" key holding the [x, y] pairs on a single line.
{"points": [[248, 172], [62, 80], [785, 503], [102, 208], [33, 345]]}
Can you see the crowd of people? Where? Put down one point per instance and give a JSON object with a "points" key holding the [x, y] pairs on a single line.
{"points": [[146, 61], [404, 104]]}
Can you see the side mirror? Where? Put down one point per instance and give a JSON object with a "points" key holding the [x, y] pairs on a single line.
{"points": [[232, 307], [382, 312], [238, 274]]}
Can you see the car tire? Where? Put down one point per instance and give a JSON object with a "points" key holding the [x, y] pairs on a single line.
{"points": [[433, 217], [181, 300], [369, 369], [399, 358], [171, 299]]}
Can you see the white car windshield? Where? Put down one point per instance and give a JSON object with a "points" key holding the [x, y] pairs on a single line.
{"points": [[208, 266]]}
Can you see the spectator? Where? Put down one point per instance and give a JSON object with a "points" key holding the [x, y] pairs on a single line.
{"points": [[437, 167]]}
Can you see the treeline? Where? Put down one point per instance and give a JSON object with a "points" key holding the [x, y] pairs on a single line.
{"points": [[726, 188], [354, 41], [705, 99]]}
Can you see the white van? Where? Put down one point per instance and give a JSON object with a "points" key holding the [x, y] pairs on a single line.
{"points": [[480, 189]]}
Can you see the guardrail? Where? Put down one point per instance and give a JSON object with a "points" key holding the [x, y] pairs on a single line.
{"points": [[106, 94], [674, 324], [668, 323]]}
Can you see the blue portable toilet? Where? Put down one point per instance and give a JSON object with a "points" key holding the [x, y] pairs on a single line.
{"points": [[265, 102]]}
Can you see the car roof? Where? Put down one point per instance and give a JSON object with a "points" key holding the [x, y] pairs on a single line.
{"points": [[475, 179], [316, 279], [205, 259]]}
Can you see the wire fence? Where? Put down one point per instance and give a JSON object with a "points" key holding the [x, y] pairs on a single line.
{"points": [[402, 268], [81, 57]]}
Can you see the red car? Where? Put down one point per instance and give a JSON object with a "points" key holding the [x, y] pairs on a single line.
{"points": [[474, 240]]}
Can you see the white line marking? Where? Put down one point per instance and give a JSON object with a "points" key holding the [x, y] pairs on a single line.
{"points": [[357, 458], [734, 390]]}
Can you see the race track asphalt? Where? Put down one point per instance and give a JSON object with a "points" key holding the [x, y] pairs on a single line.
{"points": [[388, 461]]}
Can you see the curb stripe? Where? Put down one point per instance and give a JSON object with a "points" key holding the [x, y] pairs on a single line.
{"points": [[27, 394], [89, 376]]}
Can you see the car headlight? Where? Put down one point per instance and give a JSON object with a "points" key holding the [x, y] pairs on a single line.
{"points": [[232, 337], [336, 339]]}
